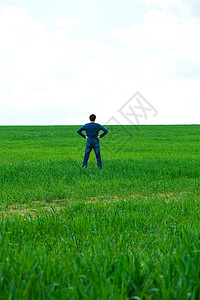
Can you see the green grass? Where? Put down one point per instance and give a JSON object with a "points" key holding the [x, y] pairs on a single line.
{"points": [[128, 231]]}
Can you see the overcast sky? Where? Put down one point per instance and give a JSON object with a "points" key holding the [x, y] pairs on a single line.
{"points": [[62, 60]]}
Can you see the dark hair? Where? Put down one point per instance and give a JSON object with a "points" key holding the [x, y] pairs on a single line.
{"points": [[92, 117]]}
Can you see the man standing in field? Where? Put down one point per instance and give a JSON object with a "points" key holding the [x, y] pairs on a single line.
{"points": [[92, 130]]}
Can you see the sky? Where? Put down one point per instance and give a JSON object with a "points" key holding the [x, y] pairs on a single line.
{"points": [[127, 61]]}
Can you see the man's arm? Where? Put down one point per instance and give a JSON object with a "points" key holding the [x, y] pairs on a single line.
{"points": [[105, 131], [79, 131]]}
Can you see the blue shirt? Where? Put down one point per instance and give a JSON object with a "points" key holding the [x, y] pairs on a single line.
{"points": [[92, 130]]}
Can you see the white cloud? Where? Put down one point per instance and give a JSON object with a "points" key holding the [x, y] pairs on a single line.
{"points": [[48, 68], [63, 23], [50, 73], [182, 10], [161, 32]]}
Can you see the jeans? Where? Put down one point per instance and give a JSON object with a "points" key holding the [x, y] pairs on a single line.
{"points": [[92, 144]]}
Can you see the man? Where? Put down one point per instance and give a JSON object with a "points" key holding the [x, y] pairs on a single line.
{"points": [[92, 130]]}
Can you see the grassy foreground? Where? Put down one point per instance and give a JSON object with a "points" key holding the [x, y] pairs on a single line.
{"points": [[129, 231]]}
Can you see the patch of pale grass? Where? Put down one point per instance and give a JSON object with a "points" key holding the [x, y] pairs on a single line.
{"points": [[30, 210]]}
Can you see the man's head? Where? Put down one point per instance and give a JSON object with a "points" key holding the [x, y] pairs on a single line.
{"points": [[92, 117]]}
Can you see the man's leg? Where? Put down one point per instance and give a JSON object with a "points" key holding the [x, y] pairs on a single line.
{"points": [[88, 149], [98, 155]]}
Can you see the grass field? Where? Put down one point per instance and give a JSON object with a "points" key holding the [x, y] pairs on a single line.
{"points": [[128, 231]]}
